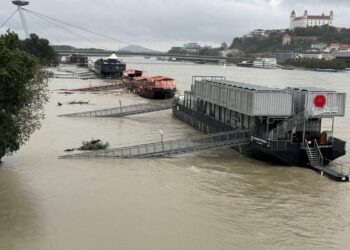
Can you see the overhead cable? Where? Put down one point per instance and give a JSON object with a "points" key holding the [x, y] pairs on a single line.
{"points": [[8, 19]]}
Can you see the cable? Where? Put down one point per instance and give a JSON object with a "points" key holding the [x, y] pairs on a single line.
{"points": [[43, 28], [49, 21], [2, 25], [77, 27]]}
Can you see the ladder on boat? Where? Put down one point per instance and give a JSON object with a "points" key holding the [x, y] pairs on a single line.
{"points": [[122, 111], [316, 160], [172, 147]]}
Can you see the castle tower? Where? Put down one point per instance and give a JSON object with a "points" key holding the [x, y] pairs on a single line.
{"points": [[331, 15], [305, 14], [291, 20], [20, 4]]}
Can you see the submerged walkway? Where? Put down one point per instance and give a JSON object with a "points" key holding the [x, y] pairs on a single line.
{"points": [[172, 147], [122, 111], [104, 87]]}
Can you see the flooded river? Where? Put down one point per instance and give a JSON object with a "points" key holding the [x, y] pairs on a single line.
{"points": [[210, 200]]}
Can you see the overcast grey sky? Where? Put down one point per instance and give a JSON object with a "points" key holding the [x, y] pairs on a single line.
{"points": [[160, 24]]}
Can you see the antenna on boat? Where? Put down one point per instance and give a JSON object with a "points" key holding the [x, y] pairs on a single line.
{"points": [[20, 4]]}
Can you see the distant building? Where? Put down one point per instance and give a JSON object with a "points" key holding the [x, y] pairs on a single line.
{"points": [[192, 48], [309, 21], [317, 56], [339, 46], [287, 39], [260, 33], [318, 46], [223, 53], [284, 55], [257, 33], [223, 46]]}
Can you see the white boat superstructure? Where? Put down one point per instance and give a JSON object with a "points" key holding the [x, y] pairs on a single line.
{"points": [[266, 63]]}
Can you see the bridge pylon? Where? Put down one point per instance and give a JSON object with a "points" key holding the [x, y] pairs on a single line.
{"points": [[20, 4]]}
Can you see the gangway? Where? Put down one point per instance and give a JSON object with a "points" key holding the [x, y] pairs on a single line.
{"points": [[122, 110], [104, 87], [316, 162], [172, 147]]}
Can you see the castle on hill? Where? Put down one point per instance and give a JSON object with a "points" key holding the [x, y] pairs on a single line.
{"points": [[309, 21]]}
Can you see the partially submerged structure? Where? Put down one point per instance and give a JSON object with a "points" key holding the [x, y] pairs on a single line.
{"points": [[109, 67], [285, 124]]}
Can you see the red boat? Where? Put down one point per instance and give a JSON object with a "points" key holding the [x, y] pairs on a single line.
{"points": [[153, 87]]}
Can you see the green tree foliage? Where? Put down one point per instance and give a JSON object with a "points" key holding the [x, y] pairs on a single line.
{"points": [[41, 48], [325, 33], [273, 42], [313, 63], [252, 45], [177, 51], [23, 92]]}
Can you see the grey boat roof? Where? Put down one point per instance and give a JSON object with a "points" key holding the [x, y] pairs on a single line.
{"points": [[311, 89], [255, 87], [247, 86]]}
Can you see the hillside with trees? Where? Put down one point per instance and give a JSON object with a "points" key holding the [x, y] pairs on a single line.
{"points": [[273, 42], [313, 63]]}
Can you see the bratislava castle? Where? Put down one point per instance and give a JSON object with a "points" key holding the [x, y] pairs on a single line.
{"points": [[309, 21]]}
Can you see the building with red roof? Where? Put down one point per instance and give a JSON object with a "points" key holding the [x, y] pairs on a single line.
{"points": [[307, 20]]}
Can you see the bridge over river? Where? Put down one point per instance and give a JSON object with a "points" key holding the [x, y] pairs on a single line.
{"points": [[194, 58]]}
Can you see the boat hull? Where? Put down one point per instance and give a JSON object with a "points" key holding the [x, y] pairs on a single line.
{"points": [[157, 93], [286, 154]]}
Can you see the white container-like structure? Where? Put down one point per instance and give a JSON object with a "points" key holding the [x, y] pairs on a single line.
{"points": [[255, 100]]}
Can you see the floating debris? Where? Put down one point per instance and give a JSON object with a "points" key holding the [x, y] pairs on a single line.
{"points": [[79, 102], [66, 93], [59, 104], [94, 145], [69, 149]]}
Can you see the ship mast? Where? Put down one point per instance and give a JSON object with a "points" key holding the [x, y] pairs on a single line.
{"points": [[20, 4]]}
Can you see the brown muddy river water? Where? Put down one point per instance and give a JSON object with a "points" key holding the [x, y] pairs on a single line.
{"points": [[209, 200]]}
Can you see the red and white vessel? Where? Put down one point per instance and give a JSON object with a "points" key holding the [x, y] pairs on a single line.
{"points": [[152, 87]]}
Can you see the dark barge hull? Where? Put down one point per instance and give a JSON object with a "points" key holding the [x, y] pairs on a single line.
{"points": [[157, 93], [291, 154]]}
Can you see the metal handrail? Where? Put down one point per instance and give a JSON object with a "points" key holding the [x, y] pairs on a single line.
{"points": [[339, 166], [320, 156], [222, 139], [294, 120], [121, 110], [307, 146]]}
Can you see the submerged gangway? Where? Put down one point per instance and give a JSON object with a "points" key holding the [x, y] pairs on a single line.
{"points": [[172, 147], [122, 110], [104, 87]]}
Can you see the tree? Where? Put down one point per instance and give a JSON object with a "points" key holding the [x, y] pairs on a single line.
{"points": [[40, 48], [23, 92]]}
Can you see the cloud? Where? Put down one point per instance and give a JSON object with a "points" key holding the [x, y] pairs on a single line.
{"points": [[162, 24]]}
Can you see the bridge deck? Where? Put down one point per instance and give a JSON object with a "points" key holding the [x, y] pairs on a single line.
{"points": [[172, 147]]}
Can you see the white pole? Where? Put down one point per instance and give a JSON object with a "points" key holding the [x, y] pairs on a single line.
{"points": [[161, 135], [23, 20]]}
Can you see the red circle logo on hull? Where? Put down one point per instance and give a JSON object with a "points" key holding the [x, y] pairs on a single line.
{"points": [[320, 101]]}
